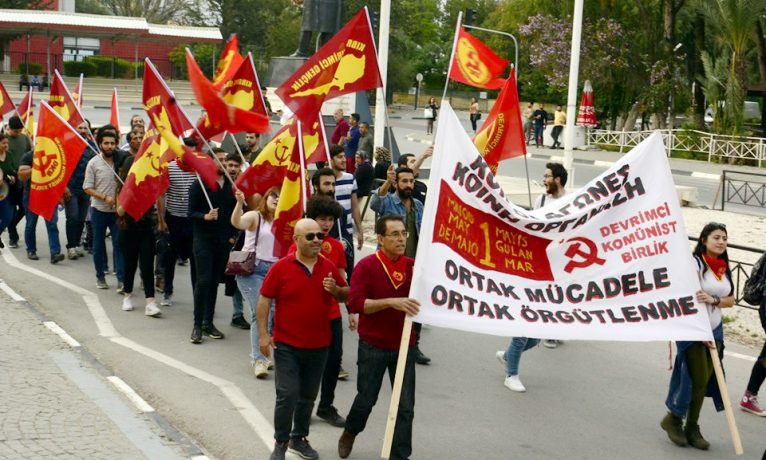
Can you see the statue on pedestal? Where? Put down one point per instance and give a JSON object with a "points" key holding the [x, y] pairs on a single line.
{"points": [[322, 16]]}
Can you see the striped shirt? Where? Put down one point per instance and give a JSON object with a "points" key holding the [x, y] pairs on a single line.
{"points": [[345, 186], [177, 195]]}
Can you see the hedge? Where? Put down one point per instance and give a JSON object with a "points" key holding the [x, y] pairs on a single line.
{"points": [[75, 68], [34, 68]]}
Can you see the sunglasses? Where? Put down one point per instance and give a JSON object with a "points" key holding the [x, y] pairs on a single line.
{"points": [[310, 236]]}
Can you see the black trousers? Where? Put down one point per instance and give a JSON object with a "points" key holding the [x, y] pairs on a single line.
{"points": [[373, 363], [331, 369], [137, 244], [296, 380], [181, 242], [758, 374], [210, 253]]}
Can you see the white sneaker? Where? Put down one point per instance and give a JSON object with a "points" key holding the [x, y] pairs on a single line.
{"points": [[261, 369], [550, 343], [152, 309], [270, 363], [72, 254], [127, 302], [500, 355], [80, 253], [167, 301], [513, 383]]}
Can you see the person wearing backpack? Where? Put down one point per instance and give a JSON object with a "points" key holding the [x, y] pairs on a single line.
{"points": [[754, 294], [692, 376]]}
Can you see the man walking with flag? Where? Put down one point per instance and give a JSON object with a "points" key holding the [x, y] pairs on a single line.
{"points": [[100, 184]]}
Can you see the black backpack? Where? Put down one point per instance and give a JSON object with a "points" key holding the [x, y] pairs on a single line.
{"points": [[752, 293]]}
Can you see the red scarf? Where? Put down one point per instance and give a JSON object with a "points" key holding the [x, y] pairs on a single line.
{"points": [[396, 270], [715, 265]]}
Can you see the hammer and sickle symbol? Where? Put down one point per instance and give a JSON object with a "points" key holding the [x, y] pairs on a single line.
{"points": [[587, 257]]}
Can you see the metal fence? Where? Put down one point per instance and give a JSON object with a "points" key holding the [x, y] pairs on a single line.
{"points": [[715, 146], [740, 271], [21, 61], [742, 188]]}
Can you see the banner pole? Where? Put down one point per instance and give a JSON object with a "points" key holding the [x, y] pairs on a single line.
{"points": [[452, 54], [303, 165], [236, 146], [726, 402], [529, 187], [396, 392]]}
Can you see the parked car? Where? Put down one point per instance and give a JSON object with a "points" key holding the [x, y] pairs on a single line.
{"points": [[752, 112]]}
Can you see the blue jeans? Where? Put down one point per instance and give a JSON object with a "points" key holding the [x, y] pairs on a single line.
{"points": [[539, 130], [517, 346], [75, 209], [373, 363], [6, 213], [30, 237], [100, 221], [250, 287], [297, 377]]}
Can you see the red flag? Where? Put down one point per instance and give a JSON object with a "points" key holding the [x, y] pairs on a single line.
{"points": [[290, 206], [502, 135], [25, 111], [147, 178], [222, 115], [58, 148], [228, 63], [6, 104], [475, 64], [61, 101], [77, 93], [158, 98], [269, 168], [114, 117], [314, 142], [347, 63], [188, 159]]}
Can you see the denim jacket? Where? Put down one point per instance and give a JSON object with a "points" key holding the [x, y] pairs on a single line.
{"points": [[680, 391], [391, 204]]}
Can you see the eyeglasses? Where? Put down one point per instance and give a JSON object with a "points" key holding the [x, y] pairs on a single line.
{"points": [[547, 176], [404, 234], [310, 236]]}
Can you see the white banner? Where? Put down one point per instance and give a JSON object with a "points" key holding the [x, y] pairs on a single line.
{"points": [[610, 261]]}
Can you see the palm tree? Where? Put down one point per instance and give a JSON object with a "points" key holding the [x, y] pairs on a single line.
{"points": [[733, 23]]}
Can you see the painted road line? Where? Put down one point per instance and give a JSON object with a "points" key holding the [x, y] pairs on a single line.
{"points": [[740, 356], [56, 329], [13, 294], [125, 389]]}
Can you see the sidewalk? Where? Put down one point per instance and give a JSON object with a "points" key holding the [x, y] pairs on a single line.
{"points": [[56, 403]]}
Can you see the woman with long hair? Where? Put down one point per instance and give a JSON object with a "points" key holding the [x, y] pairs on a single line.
{"points": [[431, 105], [138, 243], [692, 374], [260, 240]]}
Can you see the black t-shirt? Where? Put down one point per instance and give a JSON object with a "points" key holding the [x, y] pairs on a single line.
{"points": [[364, 177], [540, 116], [27, 160]]}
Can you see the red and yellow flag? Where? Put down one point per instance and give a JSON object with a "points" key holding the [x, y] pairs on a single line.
{"points": [[502, 135], [347, 63], [228, 63], [114, 116], [147, 178], [77, 93], [62, 102], [290, 206], [314, 143], [187, 159], [158, 98], [58, 148], [475, 64], [231, 115], [6, 104], [26, 111]]}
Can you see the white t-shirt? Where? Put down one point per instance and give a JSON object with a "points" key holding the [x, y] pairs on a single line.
{"points": [[548, 200], [713, 286]]}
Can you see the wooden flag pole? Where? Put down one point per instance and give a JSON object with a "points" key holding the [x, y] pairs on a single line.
{"points": [[396, 392], [726, 402], [303, 166]]}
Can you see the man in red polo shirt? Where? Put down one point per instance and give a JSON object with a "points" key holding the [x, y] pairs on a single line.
{"points": [[379, 292], [303, 287]]}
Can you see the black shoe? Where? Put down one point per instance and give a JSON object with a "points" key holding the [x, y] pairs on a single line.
{"points": [[279, 451], [240, 322], [331, 416], [56, 258], [32, 255], [196, 335], [420, 358], [13, 244], [210, 331], [302, 448]]}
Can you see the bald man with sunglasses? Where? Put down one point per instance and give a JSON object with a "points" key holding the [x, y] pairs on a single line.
{"points": [[303, 286]]}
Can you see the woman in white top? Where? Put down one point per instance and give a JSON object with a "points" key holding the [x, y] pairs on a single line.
{"points": [[473, 111], [258, 239], [693, 367]]}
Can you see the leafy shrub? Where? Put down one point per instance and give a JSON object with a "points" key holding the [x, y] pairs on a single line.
{"points": [[34, 68], [75, 68]]}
